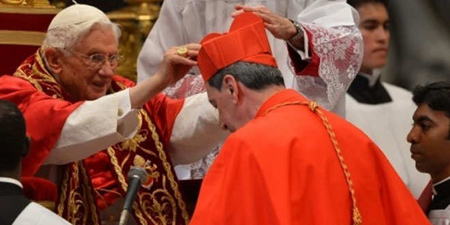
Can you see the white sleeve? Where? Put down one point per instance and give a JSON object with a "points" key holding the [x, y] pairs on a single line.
{"points": [[304, 54], [94, 126], [336, 41], [196, 130]]}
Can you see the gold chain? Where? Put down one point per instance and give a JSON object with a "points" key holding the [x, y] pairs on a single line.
{"points": [[357, 218]]}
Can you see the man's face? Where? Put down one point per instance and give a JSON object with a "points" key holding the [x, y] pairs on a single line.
{"points": [[229, 116], [83, 75], [375, 33], [430, 146]]}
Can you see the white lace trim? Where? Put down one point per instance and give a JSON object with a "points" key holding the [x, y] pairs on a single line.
{"points": [[339, 50]]}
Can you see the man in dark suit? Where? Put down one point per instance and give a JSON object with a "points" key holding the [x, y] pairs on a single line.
{"points": [[15, 208]]}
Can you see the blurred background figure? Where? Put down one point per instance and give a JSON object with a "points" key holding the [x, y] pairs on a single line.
{"points": [[15, 208], [382, 110], [420, 42], [430, 144]]}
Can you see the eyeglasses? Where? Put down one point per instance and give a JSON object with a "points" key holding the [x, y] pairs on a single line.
{"points": [[98, 60]]}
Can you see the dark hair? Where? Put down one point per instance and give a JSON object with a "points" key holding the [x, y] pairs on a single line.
{"points": [[13, 139], [435, 95], [358, 3], [252, 75]]}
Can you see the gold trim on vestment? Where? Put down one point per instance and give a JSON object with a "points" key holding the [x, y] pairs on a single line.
{"points": [[90, 195], [166, 164], [168, 168], [60, 209], [74, 205], [13, 37], [124, 184], [45, 76]]}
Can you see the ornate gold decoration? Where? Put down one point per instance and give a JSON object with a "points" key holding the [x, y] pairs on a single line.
{"points": [[60, 209], [10, 37], [154, 206], [168, 168], [42, 76], [13, 2], [88, 191], [76, 178], [136, 21], [150, 170], [26, 3]]}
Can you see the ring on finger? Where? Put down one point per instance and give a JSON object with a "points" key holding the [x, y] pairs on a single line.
{"points": [[182, 51]]}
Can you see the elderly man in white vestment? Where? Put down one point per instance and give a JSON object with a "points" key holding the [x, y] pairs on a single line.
{"points": [[316, 43]]}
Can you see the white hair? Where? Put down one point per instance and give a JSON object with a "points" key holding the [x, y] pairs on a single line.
{"points": [[64, 38]]}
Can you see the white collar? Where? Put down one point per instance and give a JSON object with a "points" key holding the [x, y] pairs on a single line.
{"points": [[11, 181], [440, 182], [376, 73]]}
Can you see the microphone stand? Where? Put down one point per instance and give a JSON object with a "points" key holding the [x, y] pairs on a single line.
{"points": [[136, 176]]}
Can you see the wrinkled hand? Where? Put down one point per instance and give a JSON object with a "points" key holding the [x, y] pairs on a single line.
{"points": [[280, 27], [175, 66]]}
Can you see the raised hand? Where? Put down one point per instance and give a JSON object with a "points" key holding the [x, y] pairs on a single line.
{"points": [[173, 67], [177, 61], [280, 27]]}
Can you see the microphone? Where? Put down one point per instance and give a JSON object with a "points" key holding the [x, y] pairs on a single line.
{"points": [[136, 176]]}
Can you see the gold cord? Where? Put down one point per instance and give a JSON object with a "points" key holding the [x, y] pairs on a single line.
{"points": [[357, 218]]}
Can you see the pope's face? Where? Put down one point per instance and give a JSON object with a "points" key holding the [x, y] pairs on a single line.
{"points": [[84, 75], [430, 144], [375, 33]]}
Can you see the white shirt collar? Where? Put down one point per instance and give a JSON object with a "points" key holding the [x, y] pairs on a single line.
{"points": [[376, 73], [440, 182], [11, 181]]}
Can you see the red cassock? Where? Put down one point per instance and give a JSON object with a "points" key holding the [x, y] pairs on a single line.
{"points": [[281, 168], [90, 185]]}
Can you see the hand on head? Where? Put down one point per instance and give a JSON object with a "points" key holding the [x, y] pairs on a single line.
{"points": [[177, 62], [280, 27]]}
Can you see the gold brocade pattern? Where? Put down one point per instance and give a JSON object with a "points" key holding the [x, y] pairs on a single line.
{"points": [[168, 168], [62, 197], [149, 200], [79, 205], [87, 187], [160, 203], [40, 78]]}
